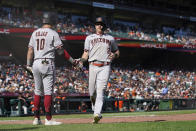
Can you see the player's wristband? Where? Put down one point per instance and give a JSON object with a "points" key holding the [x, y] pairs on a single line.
{"points": [[83, 60], [71, 60], [28, 62], [68, 57]]}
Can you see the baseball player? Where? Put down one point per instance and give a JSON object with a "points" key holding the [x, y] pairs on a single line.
{"points": [[99, 49], [43, 44]]}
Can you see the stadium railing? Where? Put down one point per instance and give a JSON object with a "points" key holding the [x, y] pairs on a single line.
{"points": [[74, 105]]}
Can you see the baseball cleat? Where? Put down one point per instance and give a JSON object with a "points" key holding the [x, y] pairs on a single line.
{"points": [[37, 121], [52, 122], [96, 119]]}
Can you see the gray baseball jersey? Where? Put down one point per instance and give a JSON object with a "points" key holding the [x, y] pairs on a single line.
{"points": [[44, 41], [100, 47]]}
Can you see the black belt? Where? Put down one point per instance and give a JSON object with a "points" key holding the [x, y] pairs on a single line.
{"points": [[44, 60]]}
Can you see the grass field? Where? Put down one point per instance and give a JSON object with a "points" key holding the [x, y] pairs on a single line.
{"points": [[133, 126]]}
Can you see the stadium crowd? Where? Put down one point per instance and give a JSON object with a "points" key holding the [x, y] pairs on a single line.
{"points": [[72, 24], [124, 82]]}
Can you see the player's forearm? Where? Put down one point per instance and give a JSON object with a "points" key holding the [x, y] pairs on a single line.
{"points": [[84, 57], [66, 55], [29, 56]]}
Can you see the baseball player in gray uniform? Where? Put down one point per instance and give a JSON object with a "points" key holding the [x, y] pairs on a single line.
{"points": [[99, 49], [43, 43]]}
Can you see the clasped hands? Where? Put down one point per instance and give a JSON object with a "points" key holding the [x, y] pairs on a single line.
{"points": [[78, 64]]}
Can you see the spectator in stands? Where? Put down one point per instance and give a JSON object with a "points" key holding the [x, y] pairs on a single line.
{"points": [[164, 90], [68, 26], [83, 107], [123, 83], [23, 102]]}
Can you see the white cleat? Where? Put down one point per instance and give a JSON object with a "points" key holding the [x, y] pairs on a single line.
{"points": [[52, 122], [37, 122]]}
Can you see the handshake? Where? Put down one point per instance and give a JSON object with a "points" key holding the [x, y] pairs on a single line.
{"points": [[78, 64]]}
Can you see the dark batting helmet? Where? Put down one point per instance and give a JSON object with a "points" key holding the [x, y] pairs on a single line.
{"points": [[100, 21], [49, 18]]}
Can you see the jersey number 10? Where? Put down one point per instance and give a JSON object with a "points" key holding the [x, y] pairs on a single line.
{"points": [[40, 44]]}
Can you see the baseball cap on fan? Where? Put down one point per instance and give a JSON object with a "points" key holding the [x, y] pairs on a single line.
{"points": [[100, 21]]}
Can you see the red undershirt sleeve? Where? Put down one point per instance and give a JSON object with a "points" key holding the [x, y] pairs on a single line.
{"points": [[66, 55]]}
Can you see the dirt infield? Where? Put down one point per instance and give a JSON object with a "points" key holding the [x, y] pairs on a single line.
{"points": [[114, 119]]}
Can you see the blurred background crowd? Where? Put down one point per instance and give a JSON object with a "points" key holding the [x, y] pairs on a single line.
{"points": [[69, 23], [125, 82]]}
